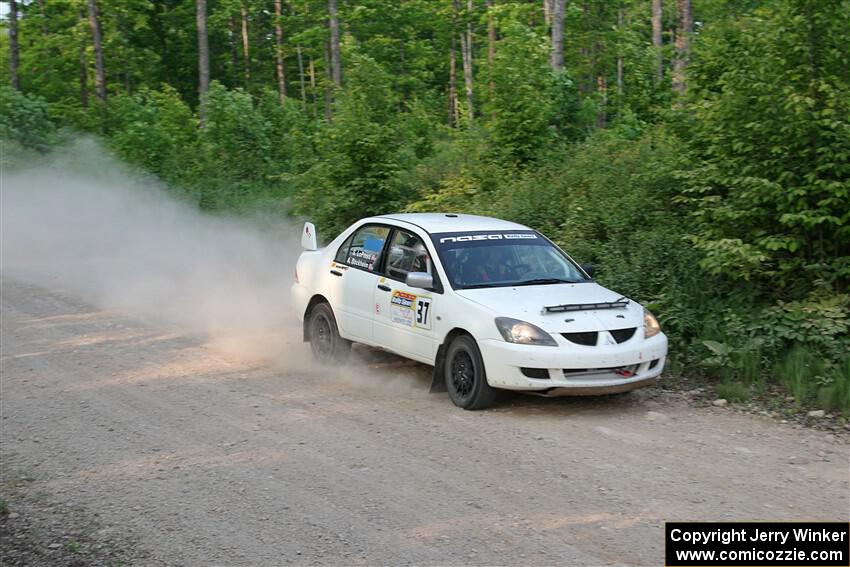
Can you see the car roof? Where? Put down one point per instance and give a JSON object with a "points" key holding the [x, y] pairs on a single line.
{"points": [[452, 222]]}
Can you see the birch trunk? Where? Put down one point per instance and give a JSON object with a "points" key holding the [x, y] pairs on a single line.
{"points": [[99, 74], [491, 45], [453, 83], [203, 56], [313, 84], [301, 77], [620, 54], [558, 9], [466, 53], [278, 37], [336, 64], [683, 40], [656, 40], [246, 57]]}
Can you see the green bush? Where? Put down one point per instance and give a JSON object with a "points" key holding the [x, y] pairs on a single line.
{"points": [[154, 130], [769, 135], [25, 120]]}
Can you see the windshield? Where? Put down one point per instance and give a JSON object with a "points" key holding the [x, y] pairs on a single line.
{"points": [[505, 258]]}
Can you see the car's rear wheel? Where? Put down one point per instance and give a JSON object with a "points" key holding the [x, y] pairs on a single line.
{"points": [[466, 380], [327, 345]]}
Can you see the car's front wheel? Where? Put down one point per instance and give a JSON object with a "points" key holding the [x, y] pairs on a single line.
{"points": [[466, 379], [325, 341]]}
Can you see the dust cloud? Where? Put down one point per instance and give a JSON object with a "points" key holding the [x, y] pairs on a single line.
{"points": [[80, 221]]}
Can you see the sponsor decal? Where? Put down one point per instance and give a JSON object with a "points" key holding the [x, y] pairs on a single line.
{"points": [[362, 258], [402, 298], [491, 236], [410, 310]]}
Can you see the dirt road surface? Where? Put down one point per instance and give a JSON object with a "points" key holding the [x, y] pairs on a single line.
{"points": [[201, 457]]}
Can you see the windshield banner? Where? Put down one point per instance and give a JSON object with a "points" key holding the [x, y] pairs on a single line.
{"points": [[485, 237]]}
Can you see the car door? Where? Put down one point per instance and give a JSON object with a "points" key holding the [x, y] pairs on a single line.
{"points": [[404, 315], [354, 276]]}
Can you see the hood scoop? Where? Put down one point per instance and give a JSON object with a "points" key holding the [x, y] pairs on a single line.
{"points": [[620, 303]]}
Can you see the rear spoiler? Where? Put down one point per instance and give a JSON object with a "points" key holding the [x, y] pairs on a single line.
{"points": [[308, 237], [620, 303]]}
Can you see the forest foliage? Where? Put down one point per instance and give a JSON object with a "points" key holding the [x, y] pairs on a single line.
{"points": [[725, 208]]}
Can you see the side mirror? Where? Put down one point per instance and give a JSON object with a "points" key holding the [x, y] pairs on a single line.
{"points": [[308, 237], [420, 279], [588, 268]]}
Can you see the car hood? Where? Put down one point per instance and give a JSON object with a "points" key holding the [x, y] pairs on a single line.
{"points": [[527, 302]]}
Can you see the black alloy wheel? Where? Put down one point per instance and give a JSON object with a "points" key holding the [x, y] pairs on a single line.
{"points": [[466, 380], [327, 345]]}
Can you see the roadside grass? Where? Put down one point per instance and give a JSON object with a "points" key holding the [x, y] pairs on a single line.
{"points": [[797, 370], [733, 391], [835, 395]]}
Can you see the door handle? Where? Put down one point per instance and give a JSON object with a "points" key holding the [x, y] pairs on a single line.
{"points": [[334, 272], [383, 287]]}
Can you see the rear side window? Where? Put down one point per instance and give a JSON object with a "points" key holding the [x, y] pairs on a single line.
{"points": [[363, 248]]}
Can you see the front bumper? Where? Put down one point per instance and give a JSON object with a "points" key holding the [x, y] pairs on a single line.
{"points": [[576, 370]]}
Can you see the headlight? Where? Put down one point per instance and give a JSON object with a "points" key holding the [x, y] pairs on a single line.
{"points": [[651, 324], [522, 333]]}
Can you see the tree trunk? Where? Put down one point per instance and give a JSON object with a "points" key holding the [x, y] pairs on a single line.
{"points": [[336, 64], [329, 97], [203, 57], [313, 84], [620, 54], [491, 45], [13, 44], [602, 89], [558, 9], [453, 83], [301, 77], [84, 63], [278, 37], [99, 75], [683, 41], [234, 49], [466, 54], [246, 57], [547, 12], [656, 40]]}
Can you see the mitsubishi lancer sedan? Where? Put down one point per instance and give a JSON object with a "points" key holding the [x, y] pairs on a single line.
{"points": [[492, 305]]}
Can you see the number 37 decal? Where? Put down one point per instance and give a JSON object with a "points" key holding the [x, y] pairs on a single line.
{"points": [[423, 312]]}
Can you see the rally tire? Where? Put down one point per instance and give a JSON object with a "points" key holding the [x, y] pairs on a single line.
{"points": [[325, 341], [466, 379]]}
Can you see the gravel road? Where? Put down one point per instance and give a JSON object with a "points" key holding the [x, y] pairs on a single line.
{"points": [[199, 456]]}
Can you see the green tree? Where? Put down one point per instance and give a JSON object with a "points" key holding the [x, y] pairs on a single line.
{"points": [[769, 179]]}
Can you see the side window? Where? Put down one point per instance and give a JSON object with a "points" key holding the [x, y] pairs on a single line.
{"points": [[365, 249], [342, 253], [407, 254]]}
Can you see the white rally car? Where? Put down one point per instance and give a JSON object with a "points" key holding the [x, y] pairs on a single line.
{"points": [[490, 304]]}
